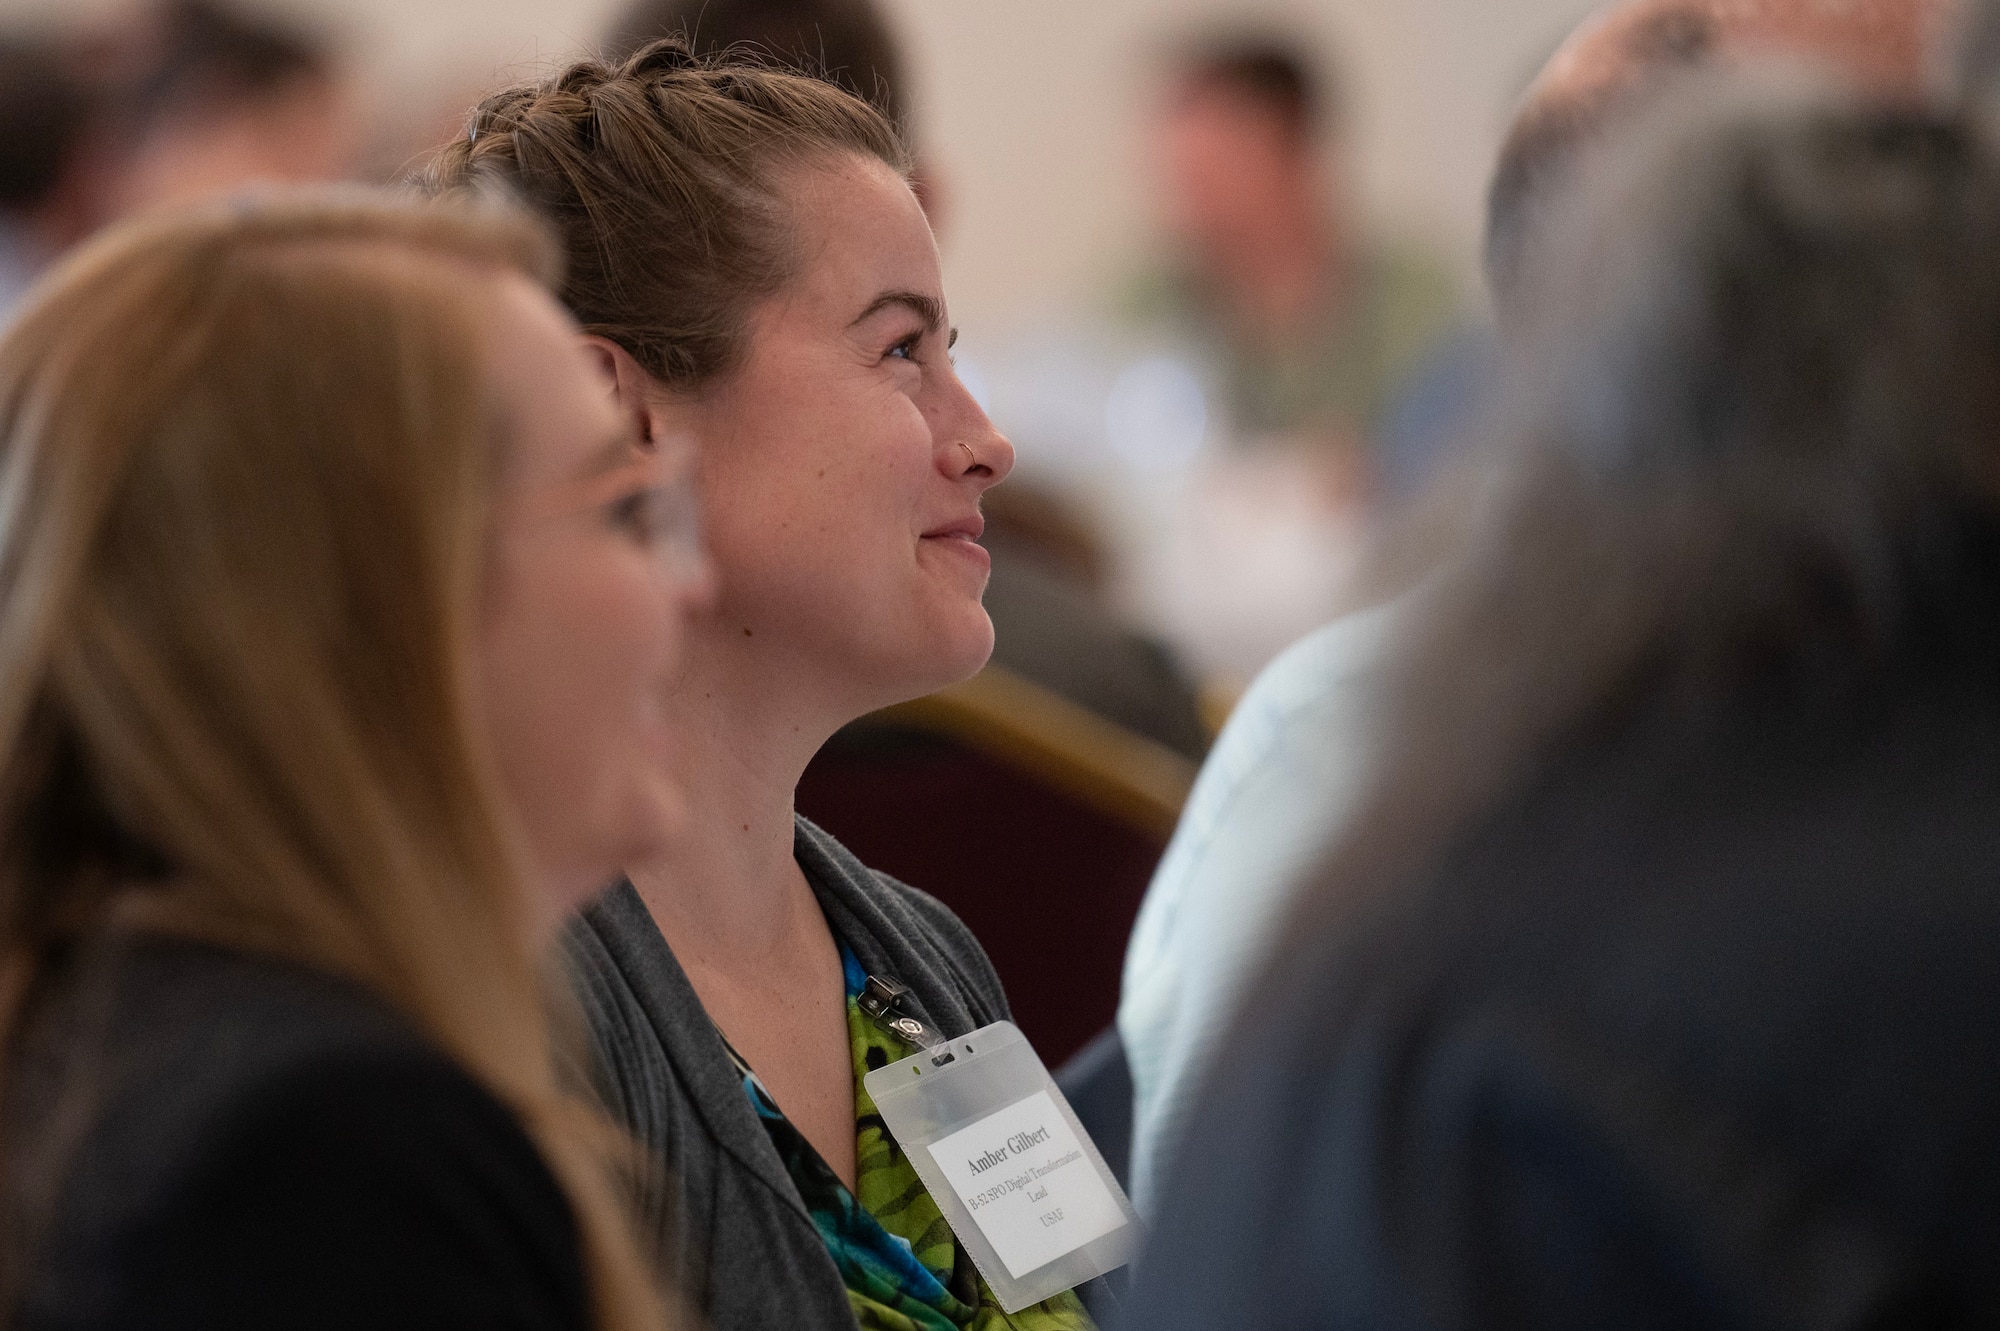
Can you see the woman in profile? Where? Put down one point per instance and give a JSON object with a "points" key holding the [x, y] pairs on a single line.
{"points": [[336, 600], [748, 258]]}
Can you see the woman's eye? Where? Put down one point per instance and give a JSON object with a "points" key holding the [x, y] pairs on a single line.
{"points": [[906, 349]]}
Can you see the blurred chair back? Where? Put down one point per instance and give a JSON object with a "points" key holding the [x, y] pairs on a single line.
{"points": [[1036, 820]]}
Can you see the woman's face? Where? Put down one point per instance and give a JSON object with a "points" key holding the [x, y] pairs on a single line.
{"points": [[594, 571], [842, 462]]}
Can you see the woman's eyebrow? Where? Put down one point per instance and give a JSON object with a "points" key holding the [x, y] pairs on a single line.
{"points": [[930, 310]]}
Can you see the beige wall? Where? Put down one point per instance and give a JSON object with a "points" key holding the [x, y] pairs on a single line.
{"points": [[1030, 108]]}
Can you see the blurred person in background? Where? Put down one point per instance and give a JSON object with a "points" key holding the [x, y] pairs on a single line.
{"points": [[846, 42], [1050, 620], [1291, 766], [215, 97], [339, 605], [1310, 327], [1884, 46], [1300, 331], [752, 267], [47, 185], [1655, 984]]}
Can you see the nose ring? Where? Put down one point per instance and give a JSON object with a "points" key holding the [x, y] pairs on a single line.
{"points": [[970, 456]]}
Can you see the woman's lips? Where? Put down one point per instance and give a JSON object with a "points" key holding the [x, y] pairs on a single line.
{"points": [[963, 539], [970, 529]]}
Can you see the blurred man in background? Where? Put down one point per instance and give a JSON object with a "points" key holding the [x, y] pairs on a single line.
{"points": [[47, 184], [189, 100], [1301, 331], [216, 98], [1311, 328]]}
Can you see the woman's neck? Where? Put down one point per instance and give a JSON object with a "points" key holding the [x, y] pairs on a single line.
{"points": [[731, 900], [729, 884]]}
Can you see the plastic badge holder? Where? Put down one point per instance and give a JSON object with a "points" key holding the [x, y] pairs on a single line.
{"points": [[1017, 1177]]}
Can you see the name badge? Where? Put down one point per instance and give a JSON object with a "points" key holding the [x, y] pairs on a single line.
{"points": [[1018, 1179]]}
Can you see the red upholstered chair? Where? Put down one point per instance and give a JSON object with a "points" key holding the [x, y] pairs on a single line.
{"points": [[1038, 821]]}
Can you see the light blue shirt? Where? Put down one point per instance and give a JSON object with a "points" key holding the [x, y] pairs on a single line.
{"points": [[1282, 780]]}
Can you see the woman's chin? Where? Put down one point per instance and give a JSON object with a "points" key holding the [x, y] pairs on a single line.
{"points": [[964, 651], [948, 657]]}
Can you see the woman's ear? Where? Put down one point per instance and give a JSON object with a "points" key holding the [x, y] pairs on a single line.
{"points": [[632, 388]]}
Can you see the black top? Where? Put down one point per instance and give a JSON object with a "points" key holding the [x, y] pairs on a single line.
{"points": [[730, 1230], [258, 1145], [1696, 1030]]}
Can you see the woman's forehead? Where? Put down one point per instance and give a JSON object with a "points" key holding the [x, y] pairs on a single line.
{"points": [[860, 232]]}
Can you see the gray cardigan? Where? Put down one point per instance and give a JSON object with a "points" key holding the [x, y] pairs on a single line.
{"points": [[732, 1232]]}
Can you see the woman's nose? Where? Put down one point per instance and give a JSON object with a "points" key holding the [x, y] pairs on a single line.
{"points": [[976, 448], [980, 452]]}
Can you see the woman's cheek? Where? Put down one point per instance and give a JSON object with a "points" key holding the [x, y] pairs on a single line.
{"points": [[642, 600]]}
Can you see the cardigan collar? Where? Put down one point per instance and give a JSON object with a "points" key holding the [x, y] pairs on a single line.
{"points": [[877, 927]]}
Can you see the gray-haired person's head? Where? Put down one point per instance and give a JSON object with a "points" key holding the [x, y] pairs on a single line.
{"points": [[1772, 281], [1754, 406], [1560, 120], [1617, 63]]}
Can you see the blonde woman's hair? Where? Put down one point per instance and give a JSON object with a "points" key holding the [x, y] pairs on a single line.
{"points": [[245, 464]]}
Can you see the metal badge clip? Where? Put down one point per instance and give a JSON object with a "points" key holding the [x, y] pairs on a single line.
{"points": [[885, 1001]]}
